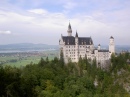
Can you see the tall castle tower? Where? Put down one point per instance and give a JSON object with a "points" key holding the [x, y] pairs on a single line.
{"points": [[112, 45], [69, 30], [76, 47]]}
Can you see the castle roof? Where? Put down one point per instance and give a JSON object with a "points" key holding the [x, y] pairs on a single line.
{"points": [[76, 34], [111, 37], [103, 50], [70, 40], [69, 27]]}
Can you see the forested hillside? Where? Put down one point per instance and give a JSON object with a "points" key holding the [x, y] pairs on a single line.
{"points": [[56, 79]]}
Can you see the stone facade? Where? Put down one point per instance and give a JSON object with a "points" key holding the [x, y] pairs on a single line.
{"points": [[75, 47]]}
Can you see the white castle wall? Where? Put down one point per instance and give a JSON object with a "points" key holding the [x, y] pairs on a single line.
{"points": [[73, 52]]}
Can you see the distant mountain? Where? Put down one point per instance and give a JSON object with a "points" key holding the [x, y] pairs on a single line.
{"points": [[27, 46], [37, 47], [120, 48]]}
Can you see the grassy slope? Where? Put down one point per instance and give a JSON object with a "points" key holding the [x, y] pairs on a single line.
{"points": [[28, 60]]}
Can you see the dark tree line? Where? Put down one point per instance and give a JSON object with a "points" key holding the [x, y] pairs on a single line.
{"points": [[54, 79]]}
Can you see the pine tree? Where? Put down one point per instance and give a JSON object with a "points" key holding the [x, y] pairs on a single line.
{"points": [[61, 59]]}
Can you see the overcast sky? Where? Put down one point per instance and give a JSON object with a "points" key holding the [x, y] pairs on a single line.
{"points": [[43, 21]]}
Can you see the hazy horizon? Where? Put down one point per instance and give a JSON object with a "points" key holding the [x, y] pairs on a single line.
{"points": [[58, 44], [43, 21]]}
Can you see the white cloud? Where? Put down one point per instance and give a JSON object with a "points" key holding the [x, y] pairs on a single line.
{"points": [[49, 25], [5, 32], [9, 16], [43, 25], [38, 11], [70, 5]]}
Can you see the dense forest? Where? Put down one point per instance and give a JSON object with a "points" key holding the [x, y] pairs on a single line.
{"points": [[56, 79]]}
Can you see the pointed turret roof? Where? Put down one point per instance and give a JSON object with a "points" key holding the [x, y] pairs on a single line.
{"points": [[111, 37], [69, 27], [76, 34], [61, 36]]}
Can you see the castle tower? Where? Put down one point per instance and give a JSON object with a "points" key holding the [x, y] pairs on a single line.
{"points": [[76, 47], [112, 45], [99, 47], [69, 30]]}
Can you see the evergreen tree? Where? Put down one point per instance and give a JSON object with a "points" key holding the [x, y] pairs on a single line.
{"points": [[61, 59]]}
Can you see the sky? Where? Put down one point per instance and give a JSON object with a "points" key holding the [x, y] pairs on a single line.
{"points": [[43, 21]]}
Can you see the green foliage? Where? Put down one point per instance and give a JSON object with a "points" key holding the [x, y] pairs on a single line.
{"points": [[61, 59], [119, 62], [54, 79]]}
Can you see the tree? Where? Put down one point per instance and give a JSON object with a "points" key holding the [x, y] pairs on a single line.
{"points": [[61, 59], [41, 62], [47, 60]]}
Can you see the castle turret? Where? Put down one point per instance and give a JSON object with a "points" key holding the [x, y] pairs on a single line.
{"points": [[76, 47], [69, 30], [111, 45], [99, 47]]}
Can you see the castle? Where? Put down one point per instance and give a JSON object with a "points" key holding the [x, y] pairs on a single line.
{"points": [[75, 47]]}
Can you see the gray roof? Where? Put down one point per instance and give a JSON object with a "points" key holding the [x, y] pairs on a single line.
{"points": [[76, 34], [103, 50], [69, 27], [111, 37], [70, 40]]}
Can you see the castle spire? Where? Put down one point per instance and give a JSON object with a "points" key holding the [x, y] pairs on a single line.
{"points": [[76, 34], [69, 30], [111, 37], [69, 27]]}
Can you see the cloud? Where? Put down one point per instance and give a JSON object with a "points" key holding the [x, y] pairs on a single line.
{"points": [[5, 32], [38, 11], [97, 19], [70, 5]]}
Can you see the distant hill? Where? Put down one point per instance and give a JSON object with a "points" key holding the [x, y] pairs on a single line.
{"points": [[118, 48], [27, 46], [37, 47]]}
